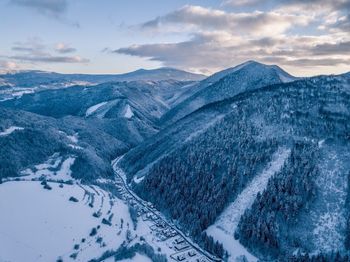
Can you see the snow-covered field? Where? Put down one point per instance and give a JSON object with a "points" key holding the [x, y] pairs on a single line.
{"points": [[56, 168], [42, 225], [137, 258], [37, 224], [47, 221], [224, 227]]}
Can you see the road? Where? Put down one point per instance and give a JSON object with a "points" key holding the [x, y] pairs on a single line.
{"points": [[122, 176]]}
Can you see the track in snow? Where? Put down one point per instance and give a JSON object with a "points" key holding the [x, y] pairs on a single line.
{"points": [[226, 224]]}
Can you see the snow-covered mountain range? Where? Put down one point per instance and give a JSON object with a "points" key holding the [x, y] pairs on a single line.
{"points": [[248, 164]]}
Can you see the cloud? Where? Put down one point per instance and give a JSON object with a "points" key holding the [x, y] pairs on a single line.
{"points": [[32, 45], [55, 9], [308, 62], [7, 66], [218, 50], [322, 10], [50, 59], [35, 51], [242, 2], [341, 48], [64, 48], [48, 7], [308, 4], [196, 17], [290, 33]]}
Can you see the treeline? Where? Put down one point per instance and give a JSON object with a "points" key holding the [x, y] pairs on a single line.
{"points": [[214, 247], [194, 184], [25, 148], [347, 204], [287, 193], [332, 257], [125, 252]]}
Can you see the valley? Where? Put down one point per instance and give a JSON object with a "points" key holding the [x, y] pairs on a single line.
{"points": [[249, 164]]}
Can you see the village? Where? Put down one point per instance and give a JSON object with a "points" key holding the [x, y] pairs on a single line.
{"points": [[164, 231]]}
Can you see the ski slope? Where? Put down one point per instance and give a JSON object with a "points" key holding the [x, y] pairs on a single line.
{"points": [[224, 227]]}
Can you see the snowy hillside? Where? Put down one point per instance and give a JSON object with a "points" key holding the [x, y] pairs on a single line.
{"points": [[228, 83], [226, 224], [248, 164], [28, 140], [128, 111], [213, 157]]}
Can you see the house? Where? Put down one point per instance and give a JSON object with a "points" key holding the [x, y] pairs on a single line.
{"points": [[179, 240], [181, 246]]}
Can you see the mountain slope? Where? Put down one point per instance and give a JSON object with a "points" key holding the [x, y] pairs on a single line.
{"points": [[228, 83], [126, 110], [196, 167], [28, 140]]}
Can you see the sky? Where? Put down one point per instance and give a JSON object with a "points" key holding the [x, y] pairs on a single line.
{"points": [[304, 37]]}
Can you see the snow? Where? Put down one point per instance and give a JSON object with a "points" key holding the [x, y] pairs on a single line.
{"points": [[321, 143], [44, 225], [53, 168], [146, 228], [65, 172], [128, 112], [10, 130], [3, 82], [75, 147], [328, 213], [137, 258], [224, 227], [211, 122], [222, 74], [285, 78], [94, 108], [74, 138], [52, 162], [138, 180]]}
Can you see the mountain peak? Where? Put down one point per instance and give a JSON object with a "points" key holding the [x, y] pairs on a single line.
{"points": [[252, 65]]}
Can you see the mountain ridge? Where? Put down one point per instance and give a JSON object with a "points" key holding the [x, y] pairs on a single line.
{"points": [[225, 84]]}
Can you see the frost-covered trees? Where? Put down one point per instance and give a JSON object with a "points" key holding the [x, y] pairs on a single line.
{"points": [[287, 193], [196, 183]]}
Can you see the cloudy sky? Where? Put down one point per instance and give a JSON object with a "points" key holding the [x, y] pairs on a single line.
{"points": [[305, 37]]}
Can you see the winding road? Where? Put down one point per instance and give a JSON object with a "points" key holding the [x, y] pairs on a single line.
{"points": [[122, 176]]}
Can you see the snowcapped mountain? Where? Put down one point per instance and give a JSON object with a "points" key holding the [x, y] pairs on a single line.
{"points": [[16, 84], [228, 83], [165, 73], [36, 78], [251, 169], [126, 110], [249, 164]]}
